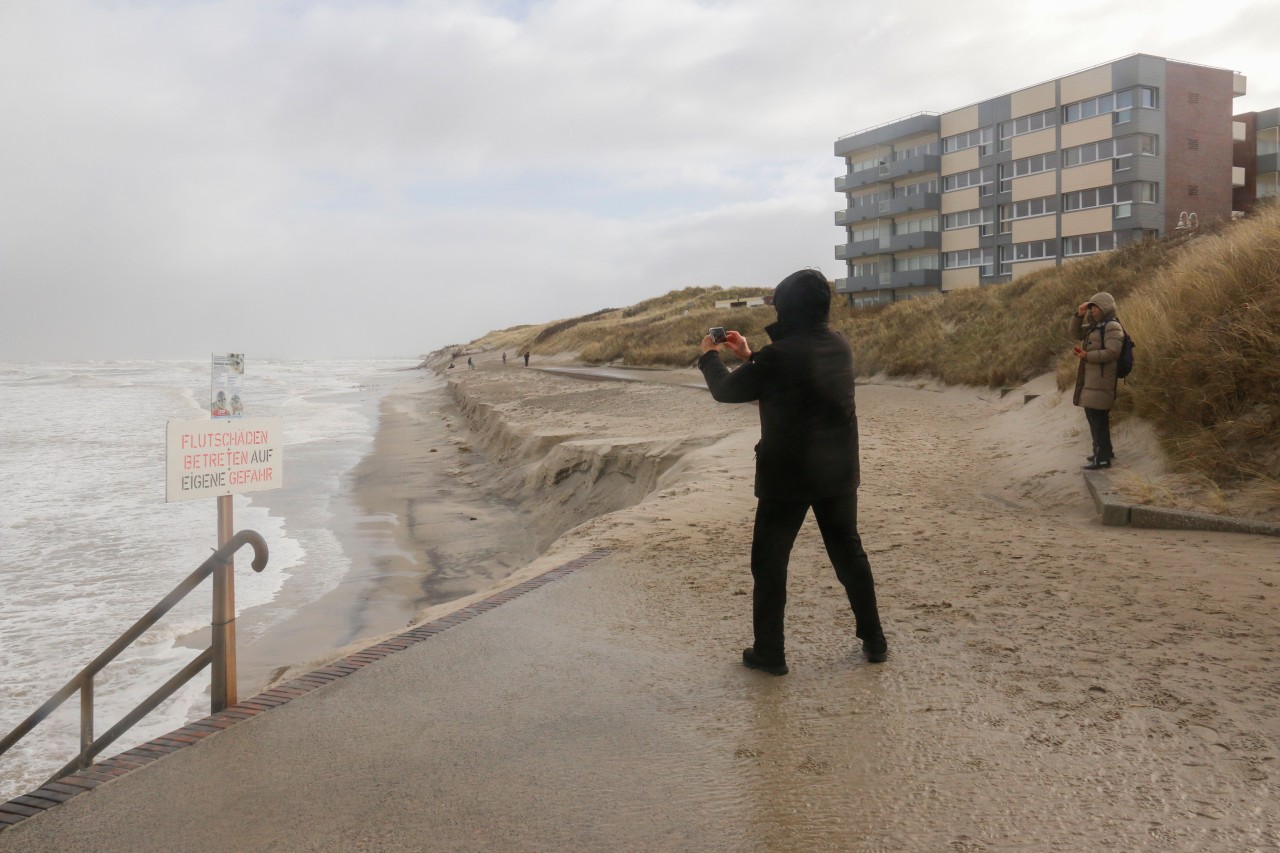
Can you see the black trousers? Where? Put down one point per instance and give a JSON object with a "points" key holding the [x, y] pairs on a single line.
{"points": [[776, 526], [1100, 429]]}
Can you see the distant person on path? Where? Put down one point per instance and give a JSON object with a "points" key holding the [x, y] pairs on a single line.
{"points": [[504, 359], [526, 358], [1102, 336], [807, 457], [471, 365]]}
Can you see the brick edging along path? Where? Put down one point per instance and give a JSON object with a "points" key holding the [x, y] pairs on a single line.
{"points": [[52, 793]]}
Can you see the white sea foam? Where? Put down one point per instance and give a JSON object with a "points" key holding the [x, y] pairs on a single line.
{"points": [[88, 544]]}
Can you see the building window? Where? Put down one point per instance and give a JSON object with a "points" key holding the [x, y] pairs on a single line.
{"points": [[973, 178], [867, 200], [916, 226], [1268, 141], [1026, 166], [1026, 124], [1032, 251], [1148, 97], [981, 138], [866, 269], [863, 165], [916, 151], [859, 235], [1088, 244], [968, 218], [1119, 104], [1141, 192], [927, 186], [1115, 149], [916, 262], [1042, 206], [984, 258]]}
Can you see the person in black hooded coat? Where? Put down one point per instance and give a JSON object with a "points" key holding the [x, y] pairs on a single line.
{"points": [[807, 457]]}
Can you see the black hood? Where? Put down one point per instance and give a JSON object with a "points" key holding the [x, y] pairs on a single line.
{"points": [[802, 299]]}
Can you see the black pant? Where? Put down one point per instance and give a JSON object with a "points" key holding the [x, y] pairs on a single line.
{"points": [[1100, 429], [777, 523]]}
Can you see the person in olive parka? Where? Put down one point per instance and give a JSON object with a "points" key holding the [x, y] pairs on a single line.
{"points": [[807, 457], [1101, 338]]}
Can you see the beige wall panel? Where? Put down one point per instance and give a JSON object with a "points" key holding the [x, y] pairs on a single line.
{"points": [[1037, 99], [1092, 221], [1031, 144], [1034, 186], [1025, 267], [1086, 84], [1089, 130], [958, 121], [961, 238], [960, 200], [1098, 174], [1038, 228], [960, 161], [961, 279]]}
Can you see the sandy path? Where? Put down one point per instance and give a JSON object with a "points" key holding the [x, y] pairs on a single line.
{"points": [[1053, 684]]}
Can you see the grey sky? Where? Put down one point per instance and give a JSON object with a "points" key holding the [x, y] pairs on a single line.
{"points": [[345, 179]]}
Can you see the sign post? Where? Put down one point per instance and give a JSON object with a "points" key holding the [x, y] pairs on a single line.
{"points": [[224, 456]]}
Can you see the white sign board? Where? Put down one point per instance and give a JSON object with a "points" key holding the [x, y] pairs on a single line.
{"points": [[216, 457], [227, 386]]}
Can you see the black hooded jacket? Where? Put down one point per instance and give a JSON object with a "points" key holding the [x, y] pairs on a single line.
{"points": [[804, 381]]}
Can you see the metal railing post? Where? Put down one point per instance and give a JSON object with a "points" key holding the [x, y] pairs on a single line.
{"points": [[224, 692], [86, 721]]}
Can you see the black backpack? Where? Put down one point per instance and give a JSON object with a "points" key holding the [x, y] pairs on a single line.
{"points": [[1124, 364]]}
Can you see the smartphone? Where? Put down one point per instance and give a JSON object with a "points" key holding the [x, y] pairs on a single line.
{"points": [[717, 334]]}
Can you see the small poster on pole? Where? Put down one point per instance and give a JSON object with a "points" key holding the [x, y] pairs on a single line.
{"points": [[228, 384]]}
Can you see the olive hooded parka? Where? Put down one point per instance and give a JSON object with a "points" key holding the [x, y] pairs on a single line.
{"points": [[808, 446], [1096, 377]]}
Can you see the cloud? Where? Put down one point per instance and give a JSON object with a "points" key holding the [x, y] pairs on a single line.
{"points": [[343, 178]]}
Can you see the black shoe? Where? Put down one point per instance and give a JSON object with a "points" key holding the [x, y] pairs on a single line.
{"points": [[753, 661], [877, 651], [1098, 464]]}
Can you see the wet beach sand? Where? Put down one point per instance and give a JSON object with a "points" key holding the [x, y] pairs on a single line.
{"points": [[1053, 684]]}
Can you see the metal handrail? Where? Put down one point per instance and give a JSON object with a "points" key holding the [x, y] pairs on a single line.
{"points": [[83, 681]]}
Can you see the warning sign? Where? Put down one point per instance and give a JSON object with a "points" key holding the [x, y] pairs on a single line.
{"points": [[212, 458]]}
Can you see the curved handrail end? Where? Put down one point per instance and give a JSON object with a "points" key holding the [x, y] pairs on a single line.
{"points": [[252, 537]]}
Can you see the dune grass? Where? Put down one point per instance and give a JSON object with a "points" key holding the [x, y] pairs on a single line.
{"points": [[1203, 307]]}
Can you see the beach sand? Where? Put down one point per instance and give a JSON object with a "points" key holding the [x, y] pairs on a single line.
{"points": [[1051, 680]]}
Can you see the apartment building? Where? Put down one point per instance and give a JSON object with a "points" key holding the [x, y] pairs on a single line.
{"points": [[1257, 158], [1035, 178]]}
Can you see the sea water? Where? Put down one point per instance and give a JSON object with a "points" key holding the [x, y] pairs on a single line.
{"points": [[88, 543]]}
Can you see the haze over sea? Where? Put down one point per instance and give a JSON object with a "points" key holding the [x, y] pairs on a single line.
{"points": [[88, 544]]}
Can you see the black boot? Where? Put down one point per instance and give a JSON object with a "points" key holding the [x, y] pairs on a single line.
{"points": [[753, 661], [1099, 463]]}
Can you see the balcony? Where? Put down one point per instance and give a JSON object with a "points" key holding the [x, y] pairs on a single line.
{"points": [[914, 278], [858, 284], [1267, 163], [853, 215], [860, 249], [919, 240], [919, 201], [915, 165], [858, 180]]}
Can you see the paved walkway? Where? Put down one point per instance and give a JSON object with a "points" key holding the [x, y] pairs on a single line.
{"points": [[516, 731]]}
